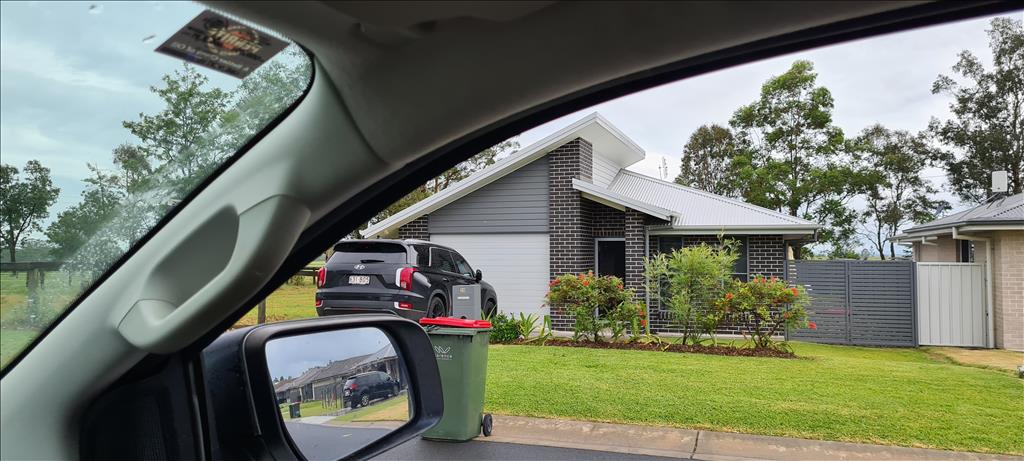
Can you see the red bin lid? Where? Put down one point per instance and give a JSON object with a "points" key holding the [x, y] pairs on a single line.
{"points": [[455, 322]]}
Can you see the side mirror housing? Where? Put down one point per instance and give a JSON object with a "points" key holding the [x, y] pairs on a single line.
{"points": [[479, 275], [261, 382]]}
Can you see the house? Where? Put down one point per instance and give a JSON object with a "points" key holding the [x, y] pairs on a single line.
{"points": [[991, 234], [568, 204], [324, 382]]}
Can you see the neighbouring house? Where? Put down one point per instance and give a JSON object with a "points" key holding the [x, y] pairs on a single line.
{"points": [[325, 382], [568, 204], [990, 235]]}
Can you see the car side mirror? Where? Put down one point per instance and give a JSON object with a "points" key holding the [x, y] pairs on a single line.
{"points": [[288, 388], [479, 275]]}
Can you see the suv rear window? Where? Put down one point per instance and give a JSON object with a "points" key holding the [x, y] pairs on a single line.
{"points": [[363, 252]]}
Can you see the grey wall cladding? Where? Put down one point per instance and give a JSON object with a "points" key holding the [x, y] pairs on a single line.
{"points": [[858, 302], [515, 203]]}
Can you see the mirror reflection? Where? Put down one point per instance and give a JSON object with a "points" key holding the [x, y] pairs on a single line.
{"points": [[339, 390]]}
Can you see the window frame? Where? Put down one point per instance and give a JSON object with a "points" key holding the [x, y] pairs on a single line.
{"points": [[439, 251]]}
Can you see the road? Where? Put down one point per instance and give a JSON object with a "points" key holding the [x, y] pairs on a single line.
{"points": [[319, 442]]}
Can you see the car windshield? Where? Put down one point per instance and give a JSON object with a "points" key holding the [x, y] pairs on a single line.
{"points": [[109, 120]]}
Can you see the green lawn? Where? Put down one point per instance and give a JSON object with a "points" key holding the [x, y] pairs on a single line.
{"points": [[873, 395], [394, 409], [16, 330], [288, 302], [309, 408]]}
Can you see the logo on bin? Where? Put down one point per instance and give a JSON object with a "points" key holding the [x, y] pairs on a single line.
{"points": [[443, 352]]}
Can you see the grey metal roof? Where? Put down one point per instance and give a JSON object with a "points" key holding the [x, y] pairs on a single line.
{"points": [[1006, 210], [697, 208], [336, 368]]}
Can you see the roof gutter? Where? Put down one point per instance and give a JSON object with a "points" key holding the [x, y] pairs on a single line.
{"points": [[989, 298]]}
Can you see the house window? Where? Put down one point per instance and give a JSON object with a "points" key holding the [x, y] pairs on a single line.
{"points": [[740, 270], [965, 251]]}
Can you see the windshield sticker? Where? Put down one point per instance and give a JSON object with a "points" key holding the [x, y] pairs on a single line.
{"points": [[222, 44]]}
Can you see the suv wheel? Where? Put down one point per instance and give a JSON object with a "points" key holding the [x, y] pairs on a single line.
{"points": [[437, 308], [364, 400], [489, 308]]}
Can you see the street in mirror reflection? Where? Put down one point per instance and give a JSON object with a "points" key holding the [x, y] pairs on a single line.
{"points": [[338, 391]]}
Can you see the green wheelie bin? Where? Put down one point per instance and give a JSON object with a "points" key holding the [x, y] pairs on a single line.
{"points": [[460, 346]]}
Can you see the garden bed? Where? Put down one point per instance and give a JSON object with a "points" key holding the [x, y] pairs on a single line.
{"points": [[666, 347]]}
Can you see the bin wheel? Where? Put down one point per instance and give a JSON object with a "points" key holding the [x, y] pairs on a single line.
{"points": [[487, 425]]}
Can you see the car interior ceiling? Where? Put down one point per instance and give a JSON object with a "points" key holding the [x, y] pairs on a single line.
{"points": [[401, 97]]}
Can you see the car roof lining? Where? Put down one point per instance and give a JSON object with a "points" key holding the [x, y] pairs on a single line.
{"points": [[424, 72]]}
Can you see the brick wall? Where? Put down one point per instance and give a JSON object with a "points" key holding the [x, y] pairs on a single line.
{"points": [[633, 229], [607, 221], [570, 221], [765, 256], [415, 229], [1008, 289]]}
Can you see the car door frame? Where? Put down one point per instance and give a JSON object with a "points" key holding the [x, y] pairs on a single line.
{"points": [[359, 207]]}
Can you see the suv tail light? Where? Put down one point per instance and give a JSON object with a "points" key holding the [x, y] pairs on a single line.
{"points": [[321, 276], [403, 277], [404, 305]]}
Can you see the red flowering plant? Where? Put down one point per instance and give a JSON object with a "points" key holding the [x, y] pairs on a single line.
{"points": [[596, 304], [764, 307]]}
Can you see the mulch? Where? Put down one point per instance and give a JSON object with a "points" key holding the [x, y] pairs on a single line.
{"points": [[666, 347]]}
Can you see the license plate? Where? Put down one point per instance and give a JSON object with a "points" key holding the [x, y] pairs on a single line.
{"points": [[359, 280], [347, 392]]}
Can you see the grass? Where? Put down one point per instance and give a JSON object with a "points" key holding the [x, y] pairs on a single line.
{"points": [[997, 359], [309, 408], [396, 409], [293, 300], [871, 395], [16, 328]]}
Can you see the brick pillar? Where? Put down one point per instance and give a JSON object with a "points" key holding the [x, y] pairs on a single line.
{"points": [[634, 232], [415, 229], [571, 243]]}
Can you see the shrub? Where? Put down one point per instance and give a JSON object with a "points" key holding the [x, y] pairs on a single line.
{"points": [[596, 303], [503, 328], [764, 307], [687, 281], [526, 325]]}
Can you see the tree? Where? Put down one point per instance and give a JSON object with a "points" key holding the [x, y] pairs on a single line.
{"points": [[895, 192], [472, 165], [792, 157], [449, 177], [24, 202], [79, 224], [180, 139], [988, 115], [708, 161]]}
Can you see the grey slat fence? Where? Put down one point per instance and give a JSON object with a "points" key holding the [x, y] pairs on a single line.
{"points": [[858, 302]]}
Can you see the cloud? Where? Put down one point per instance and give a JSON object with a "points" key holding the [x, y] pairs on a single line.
{"points": [[44, 63]]}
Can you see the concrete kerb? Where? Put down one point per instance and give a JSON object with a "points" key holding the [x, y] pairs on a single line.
{"points": [[705, 445]]}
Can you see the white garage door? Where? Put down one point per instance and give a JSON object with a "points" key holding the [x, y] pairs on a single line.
{"points": [[515, 264]]}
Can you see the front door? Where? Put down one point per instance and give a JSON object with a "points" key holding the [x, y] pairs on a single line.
{"points": [[611, 258]]}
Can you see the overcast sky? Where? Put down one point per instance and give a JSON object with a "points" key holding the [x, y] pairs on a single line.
{"points": [[67, 87], [883, 80]]}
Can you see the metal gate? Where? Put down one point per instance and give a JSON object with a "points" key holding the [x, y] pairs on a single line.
{"points": [[858, 302], [951, 304]]}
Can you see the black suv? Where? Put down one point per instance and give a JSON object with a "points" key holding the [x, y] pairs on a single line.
{"points": [[411, 278], [360, 389]]}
